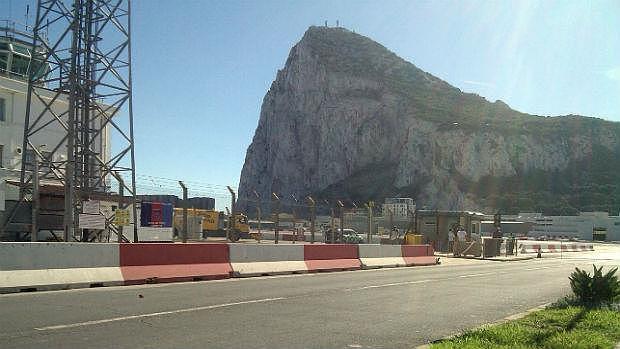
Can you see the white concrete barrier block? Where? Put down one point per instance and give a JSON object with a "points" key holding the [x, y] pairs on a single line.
{"points": [[246, 253], [382, 262], [268, 268], [51, 279], [57, 255]]}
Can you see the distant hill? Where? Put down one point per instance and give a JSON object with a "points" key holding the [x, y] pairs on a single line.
{"points": [[347, 118]]}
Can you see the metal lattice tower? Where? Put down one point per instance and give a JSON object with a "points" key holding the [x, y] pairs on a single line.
{"points": [[86, 47]]}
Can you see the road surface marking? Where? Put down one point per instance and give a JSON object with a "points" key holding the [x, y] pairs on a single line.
{"points": [[475, 275], [391, 284], [538, 268], [140, 316]]}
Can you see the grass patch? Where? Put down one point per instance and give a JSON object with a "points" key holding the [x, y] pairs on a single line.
{"points": [[565, 327]]}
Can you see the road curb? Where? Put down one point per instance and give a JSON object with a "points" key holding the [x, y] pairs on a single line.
{"points": [[494, 323]]}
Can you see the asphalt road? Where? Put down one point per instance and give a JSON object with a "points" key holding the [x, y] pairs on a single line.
{"points": [[385, 308]]}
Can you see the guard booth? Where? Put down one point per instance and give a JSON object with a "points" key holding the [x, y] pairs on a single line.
{"points": [[435, 226]]}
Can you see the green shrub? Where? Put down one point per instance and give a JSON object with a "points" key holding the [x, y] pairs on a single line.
{"points": [[595, 290]]}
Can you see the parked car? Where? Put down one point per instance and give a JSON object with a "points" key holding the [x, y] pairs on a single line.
{"points": [[347, 236]]}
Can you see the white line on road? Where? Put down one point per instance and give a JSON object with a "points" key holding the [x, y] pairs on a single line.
{"points": [[391, 284], [538, 268], [139, 316], [475, 275]]}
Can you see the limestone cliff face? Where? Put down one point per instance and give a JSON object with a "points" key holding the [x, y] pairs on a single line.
{"points": [[346, 118]]}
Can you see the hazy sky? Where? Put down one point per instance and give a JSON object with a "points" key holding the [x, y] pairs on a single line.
{"points": [[201, 68]]}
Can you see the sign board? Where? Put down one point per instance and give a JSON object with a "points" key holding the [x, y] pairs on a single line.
{"points": [[91, 207], [92, 221], [121, 217]]}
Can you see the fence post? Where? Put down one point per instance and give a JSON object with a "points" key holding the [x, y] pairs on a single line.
{"points": [[341, 219], [184, 232], [276, 228], [312, 218], [258, 214], [370, 206]]}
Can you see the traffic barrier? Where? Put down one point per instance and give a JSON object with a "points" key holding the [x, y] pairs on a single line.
{"points": [[257, 260], [418, 255], [57, 265], [46, 266], [554, 247], [331, 257], [160, 262], [380, 256]]}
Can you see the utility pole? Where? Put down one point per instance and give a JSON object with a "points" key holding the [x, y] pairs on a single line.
{"points": [[277, 220], [184, 232], [312, 217]]}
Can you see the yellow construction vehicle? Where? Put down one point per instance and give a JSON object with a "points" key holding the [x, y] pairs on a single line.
{"points": [[215, 223]]}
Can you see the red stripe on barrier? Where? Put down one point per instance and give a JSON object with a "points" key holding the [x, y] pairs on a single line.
{"points": [[331, 257], [154, 262], [425, 260], [535, 248], [564, 248], [411, 254], [551, 248]]}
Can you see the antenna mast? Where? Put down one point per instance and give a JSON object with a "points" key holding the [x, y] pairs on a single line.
{"points": [[85, 95]]}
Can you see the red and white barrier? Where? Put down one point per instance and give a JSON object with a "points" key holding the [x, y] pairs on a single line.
{"points": [[257, 260], [381, 256], [155, 262], [52, 266], [554, 247], [46, 266], [331, 257], [418, 255]]}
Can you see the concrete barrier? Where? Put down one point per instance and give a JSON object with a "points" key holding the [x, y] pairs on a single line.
{"points": [[56, 265], [331, 257], [257, 260], [160, 262], [418, 255], [380, 256]]}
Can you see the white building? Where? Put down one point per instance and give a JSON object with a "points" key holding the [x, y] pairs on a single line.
{"points": [[15, 53], [582, 226], [399, 208]]}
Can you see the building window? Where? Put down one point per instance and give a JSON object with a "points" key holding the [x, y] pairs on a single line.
{"points": [[2, 109], [1, 156]]}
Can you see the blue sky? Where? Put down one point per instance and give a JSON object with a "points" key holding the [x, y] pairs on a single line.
{"points": [[201, 68]]}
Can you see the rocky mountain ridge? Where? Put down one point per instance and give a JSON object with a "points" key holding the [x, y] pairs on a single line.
{"points": [[347, 118]]}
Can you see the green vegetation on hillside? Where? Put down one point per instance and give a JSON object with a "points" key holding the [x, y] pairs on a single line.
{"points": [[589, 185]]}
